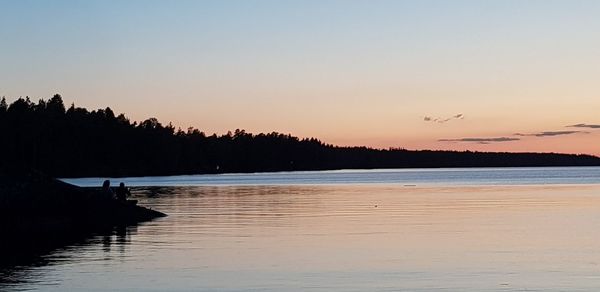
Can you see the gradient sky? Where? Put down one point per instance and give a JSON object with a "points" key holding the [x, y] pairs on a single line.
{"points": [[347, 72]]}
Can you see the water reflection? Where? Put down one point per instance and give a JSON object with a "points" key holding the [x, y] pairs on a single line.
{"points": [[120, 237], [33, 269], [342, 238]]}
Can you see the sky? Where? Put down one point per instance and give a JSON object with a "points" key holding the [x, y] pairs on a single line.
{"points": [[459, 75]]}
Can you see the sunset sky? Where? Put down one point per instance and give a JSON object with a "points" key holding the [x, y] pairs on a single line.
{"points": [[477, 75]]}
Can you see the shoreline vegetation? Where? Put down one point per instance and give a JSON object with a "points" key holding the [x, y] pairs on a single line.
{"points": [[75, 142]]}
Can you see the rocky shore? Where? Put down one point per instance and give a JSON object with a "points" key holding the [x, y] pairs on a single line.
{"points": [[39, 213]]}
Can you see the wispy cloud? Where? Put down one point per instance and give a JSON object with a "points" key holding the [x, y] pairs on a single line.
{"points": [[589, 126], [443, 120], [550, 133], [513, 137], [481, 140]]}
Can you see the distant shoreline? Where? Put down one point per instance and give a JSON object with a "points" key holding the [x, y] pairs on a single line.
{"points": [[75, 142]]}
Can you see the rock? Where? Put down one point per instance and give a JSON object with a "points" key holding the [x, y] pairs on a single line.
{"points": [[39, 213]]}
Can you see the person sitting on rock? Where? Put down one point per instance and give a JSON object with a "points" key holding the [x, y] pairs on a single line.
{"points": [[122, 192], [107, 192]]}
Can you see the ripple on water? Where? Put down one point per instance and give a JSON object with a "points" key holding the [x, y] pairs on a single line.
{"points": [[340, 238]]}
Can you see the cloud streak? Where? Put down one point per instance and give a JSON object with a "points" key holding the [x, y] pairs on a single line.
{"points": [[481, 140], [443, 120], [513, 137], [549, 133], [589, 126]]}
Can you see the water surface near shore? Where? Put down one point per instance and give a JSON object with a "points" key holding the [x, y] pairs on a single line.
{"points": [[343, 237]]}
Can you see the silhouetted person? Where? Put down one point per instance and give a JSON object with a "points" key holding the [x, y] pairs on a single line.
{"points": [[107, 191], [122, 192]]}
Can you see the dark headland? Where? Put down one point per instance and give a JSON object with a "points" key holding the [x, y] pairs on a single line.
{"points": [[39, 213]]}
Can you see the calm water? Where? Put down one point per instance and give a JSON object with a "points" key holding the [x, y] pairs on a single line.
{"points": [[393, 230], [433, 176]]}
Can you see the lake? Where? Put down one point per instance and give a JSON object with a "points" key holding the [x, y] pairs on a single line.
{"points": [[479, 229]]}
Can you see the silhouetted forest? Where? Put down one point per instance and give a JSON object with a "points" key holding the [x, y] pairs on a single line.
{"points": [[75, 142]]}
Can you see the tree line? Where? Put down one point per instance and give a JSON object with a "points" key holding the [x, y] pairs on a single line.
{"points": [[76, 142]]}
